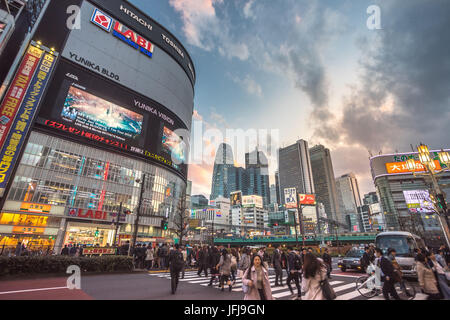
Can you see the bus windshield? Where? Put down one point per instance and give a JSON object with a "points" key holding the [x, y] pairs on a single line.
{"points": [[403, 245]]}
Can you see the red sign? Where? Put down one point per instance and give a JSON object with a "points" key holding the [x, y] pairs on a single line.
{"points": [[17, 90], [308, 199], [88, 251], [88, 214]]}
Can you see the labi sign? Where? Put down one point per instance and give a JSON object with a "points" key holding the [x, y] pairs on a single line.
{"points": [[88, 214], [121, 32]]}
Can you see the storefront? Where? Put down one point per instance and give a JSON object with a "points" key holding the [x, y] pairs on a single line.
{"points": [[89, 234]]}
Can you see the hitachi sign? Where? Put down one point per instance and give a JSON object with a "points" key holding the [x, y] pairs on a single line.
{"points": [[136, 17]]}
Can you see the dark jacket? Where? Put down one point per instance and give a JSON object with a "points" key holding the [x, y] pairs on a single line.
{"points": [[326, 258], [386, 267], [213, 259], [291, 262], [65, 251], [276, 259], [175, 260], [365, 260], [203, 257]]}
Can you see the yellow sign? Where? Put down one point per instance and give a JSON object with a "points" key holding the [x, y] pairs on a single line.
{"points": [[35, 207], [28, 230]]}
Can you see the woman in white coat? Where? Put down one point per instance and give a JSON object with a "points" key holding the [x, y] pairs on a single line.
{"points": [[314, 271]]}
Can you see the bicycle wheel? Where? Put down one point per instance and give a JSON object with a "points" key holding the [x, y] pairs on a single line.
{"points": [[365, 288], [405, 290]]}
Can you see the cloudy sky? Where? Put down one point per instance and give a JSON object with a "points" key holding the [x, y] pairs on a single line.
{"points": [[314, 70]]}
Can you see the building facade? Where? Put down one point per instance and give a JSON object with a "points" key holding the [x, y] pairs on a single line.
{"points": [[405, 198], [294, 168], [349, 201], [324, 182], [224, 173], [111, 123]]}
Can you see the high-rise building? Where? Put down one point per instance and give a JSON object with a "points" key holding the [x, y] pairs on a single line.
{"points": [[224, 174], [199, 201], [294, 168], [257, 176], [370, 198], [273, 194], [349, 201], [277, 187], [324, 182]]}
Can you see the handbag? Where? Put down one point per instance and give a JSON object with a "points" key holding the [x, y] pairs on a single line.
{"points": [[245, 288], [327, 290]]}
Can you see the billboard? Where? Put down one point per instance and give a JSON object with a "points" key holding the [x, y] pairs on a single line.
{"points": [[252, 201], [20, 125], [92, 110], [290, 198], [307, 199], [400, 167], [236, 198], [418, 201]]}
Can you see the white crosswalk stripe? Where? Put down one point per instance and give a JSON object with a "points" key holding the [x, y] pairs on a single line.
{"points": [[344, 290]]}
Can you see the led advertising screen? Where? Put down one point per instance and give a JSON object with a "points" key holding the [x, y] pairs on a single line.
{"points": [[419, 201], [87, 108]]}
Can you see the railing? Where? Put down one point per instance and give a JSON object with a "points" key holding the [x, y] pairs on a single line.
{"points": [[342, 237]]}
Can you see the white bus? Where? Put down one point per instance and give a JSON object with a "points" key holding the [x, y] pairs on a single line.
{"points": [[405, 244]]}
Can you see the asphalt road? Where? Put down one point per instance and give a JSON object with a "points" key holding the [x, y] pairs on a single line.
{"points": [[156, 286]]}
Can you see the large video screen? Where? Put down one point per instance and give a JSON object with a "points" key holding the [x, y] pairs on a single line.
{"points": [[86, 110], [419, 201], [82, 105]]}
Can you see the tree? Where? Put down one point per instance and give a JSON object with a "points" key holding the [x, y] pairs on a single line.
{"points": [[181, 219]]}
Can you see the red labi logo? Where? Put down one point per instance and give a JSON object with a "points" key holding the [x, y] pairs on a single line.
{"points": [[102, 20]]}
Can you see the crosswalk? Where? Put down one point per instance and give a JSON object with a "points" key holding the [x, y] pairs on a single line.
{"points": [[344, 290]]}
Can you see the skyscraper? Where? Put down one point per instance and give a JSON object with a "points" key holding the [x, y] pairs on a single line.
{"points": [[324, 182], [349, 201], [294, 168], [224, 175], [257, 176], [277, 187]]}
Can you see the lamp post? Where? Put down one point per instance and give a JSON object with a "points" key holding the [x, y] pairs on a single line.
{"points": [[117, 223], [138, 213], [430, 166]]}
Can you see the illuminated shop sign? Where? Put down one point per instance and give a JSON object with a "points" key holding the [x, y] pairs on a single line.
{"points": [[37, 70], [88, 214], [401, 167], [35, 207], [308, 199], [121, 32], [28, 230]]}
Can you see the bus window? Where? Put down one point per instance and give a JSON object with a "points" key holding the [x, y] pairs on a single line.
{"points": [[403, 245]]}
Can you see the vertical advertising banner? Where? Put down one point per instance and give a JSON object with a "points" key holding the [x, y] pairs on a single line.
{"points": [[14, 140], [290, 198], [16, 93]]}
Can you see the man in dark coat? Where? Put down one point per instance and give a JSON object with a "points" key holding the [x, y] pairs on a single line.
{"points": [[65, 251], [294, 268], [176, 262], [203, 261], [387, 276], [328, 262], [213, 261], [276, 262]]}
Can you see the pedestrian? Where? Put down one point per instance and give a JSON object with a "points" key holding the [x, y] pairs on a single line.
{"points": [[18, 251], [176, 262], [426, 277], [328, 262], [314, 271], [256, 278], [276, 262], [224, 267], [73, 250], [398, 274], [64, 251], [445, 253], [388, 275], [184, 252], [149, 257], [234, 264], [214, 259], [365, 259], [244, 262], [203, 261], [439, 272], [294, 269]]}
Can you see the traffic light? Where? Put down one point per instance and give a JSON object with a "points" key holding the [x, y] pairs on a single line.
{"points": [[96, 232], [441, 204], [164, 224], [275, 224]]}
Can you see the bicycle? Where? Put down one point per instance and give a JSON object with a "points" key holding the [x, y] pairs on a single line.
{"points": [[370, 285]]}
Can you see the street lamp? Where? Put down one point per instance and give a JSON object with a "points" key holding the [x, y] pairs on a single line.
{"points": [[430, 166], [138, 213]]}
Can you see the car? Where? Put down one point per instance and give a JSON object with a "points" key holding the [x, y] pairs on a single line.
{"points": [[352, 260]]}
